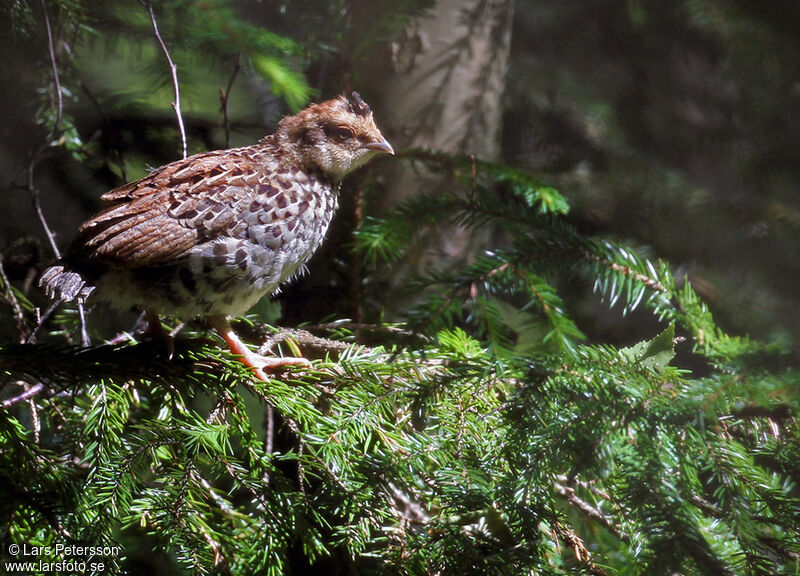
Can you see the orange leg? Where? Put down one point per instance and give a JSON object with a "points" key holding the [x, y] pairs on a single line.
{"points": [[261, 365]]}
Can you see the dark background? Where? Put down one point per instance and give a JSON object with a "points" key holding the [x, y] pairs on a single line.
{"points": [[674, 126]]}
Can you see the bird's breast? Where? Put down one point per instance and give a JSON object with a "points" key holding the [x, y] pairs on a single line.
{"points": [[280, 227], [289, 212]]}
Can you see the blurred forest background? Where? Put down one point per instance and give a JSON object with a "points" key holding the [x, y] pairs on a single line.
{"points": [[574, 183], [671, 125]]}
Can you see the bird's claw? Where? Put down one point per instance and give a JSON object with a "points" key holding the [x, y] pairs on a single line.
{"points": [[264, 365]]}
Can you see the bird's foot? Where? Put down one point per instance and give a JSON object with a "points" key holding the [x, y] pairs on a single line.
{"points": [[261, 365], [264, 365]]}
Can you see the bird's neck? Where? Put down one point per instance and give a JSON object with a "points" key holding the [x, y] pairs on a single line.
{"points": [[290, 156]]}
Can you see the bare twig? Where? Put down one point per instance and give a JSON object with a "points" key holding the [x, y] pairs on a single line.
{"points": [[29, 393], [269, 435], [37, 425], [304, 338], [224, 98], [412, 512], [40, 320], [568, 492], [300, 469], [84, 332], [372, 328], [301, 443], [51, 48], [37, 206], [582, 554], [176, 105], [579, 548], [217, 413], [56, 127], [32, 190]]}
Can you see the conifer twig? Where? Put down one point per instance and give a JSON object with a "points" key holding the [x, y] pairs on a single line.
{"points": [[173, 69], [29, 393], [56, 81], [59, 105], [364, 327], [40, 320], [303, 338], [32, 190], [568, 493], [582, 554], [11, 298]]}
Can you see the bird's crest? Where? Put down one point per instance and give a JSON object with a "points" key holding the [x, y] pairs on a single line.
{"points": [[357, 106]]}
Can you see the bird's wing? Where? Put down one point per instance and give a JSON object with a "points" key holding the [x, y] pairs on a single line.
{"points": [[157, 220]]}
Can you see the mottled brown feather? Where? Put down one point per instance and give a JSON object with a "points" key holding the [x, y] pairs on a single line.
{"points": [[144, 222]]}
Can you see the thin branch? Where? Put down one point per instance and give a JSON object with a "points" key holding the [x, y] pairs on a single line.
{"points": [[11, 298], [568, 493], [60, 105], [29, 393], [37, 425], [56, 127], [413, 513], [301, 443], [176, 105], [37, 206], [32, 190], [305, 338], [220, 407], [224, 98], [269, 435], [372, 328], [582, 554], [40, 320]]}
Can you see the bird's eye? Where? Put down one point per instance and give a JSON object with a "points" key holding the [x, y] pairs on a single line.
{"points": [[344, 132]]}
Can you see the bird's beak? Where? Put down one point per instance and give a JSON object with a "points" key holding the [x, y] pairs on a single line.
{"points": [[381, 146]]}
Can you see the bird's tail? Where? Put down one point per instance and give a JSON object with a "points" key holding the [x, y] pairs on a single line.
{"points": [[65, 285]]}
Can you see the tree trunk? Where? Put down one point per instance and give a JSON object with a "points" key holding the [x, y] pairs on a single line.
{"points": [[445, 94]]}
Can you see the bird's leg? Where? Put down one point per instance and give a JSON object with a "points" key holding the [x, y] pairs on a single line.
{"points": [[156, 331], [261, 365], [154, 328]]}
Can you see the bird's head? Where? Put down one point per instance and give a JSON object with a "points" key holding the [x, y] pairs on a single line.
{"points": [[336, 136]]}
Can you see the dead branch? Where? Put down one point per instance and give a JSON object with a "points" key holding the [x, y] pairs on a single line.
{"points": [[9, 296], [568, 493], [29, 393], [224, 98], [32, 190], [176, 105]]}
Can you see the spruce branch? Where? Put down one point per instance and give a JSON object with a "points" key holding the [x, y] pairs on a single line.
{"points": [[26, 395], [568, 492], [582, 554]]}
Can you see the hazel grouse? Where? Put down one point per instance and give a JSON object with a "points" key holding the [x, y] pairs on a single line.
{"points": [[211, 234]]}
